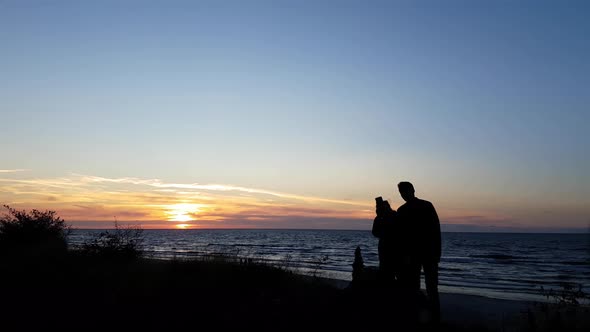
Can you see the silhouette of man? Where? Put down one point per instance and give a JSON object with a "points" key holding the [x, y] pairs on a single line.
{"points": [[421, 229], [384, 229]]}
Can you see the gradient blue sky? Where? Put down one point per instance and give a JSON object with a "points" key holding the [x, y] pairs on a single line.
{"points": [[484, 106]]}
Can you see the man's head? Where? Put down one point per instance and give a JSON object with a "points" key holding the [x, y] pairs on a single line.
{"points": [[406, 189]]}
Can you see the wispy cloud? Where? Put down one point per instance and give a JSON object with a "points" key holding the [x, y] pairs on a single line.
{"points": [[216, 187], [13, 170]]}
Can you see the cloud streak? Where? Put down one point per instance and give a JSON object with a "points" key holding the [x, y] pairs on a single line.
{"points": [[217, 187], [13, 170]]}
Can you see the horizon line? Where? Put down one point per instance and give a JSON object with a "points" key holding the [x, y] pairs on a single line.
{"points": [[326, 229]]}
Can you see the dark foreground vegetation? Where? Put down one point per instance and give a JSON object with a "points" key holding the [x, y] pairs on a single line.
{"points": [[216, 292]]}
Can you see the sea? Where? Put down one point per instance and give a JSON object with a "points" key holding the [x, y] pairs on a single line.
{"points": [[498, 265]]}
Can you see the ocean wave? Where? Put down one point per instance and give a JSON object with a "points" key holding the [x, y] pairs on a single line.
{"points": [[495, 256], [453, 269], [581, 263]]}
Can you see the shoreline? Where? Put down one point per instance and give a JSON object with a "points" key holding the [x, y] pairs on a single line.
{"points": [[341, 283]]}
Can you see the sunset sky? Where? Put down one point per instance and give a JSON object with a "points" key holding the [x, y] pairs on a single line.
{"points": [[296, 114]]}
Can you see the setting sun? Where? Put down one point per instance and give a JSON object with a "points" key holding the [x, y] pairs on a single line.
{"points": [[183, 226], [182, 212]]}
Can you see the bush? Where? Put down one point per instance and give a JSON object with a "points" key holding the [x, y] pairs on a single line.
{"points": [[122, 242], [566, 310], [37, 233]]}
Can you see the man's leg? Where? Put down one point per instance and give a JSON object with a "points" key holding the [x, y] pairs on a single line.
{"points": [[409, 274], [410, 277], [431, 280]]}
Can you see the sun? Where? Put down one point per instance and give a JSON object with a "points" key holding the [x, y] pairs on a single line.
{"points": [[183, 226], [182, 212]]}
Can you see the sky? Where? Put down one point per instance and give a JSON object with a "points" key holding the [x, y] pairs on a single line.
{"points": [[296, 114]]}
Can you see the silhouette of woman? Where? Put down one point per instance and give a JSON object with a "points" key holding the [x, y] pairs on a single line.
{"points": [[384, 228]]}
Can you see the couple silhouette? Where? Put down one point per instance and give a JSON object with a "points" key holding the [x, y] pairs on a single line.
{"points": [[409, 242]]}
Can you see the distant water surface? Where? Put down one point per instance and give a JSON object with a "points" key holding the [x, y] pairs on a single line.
{"points": [[500, 265]]}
